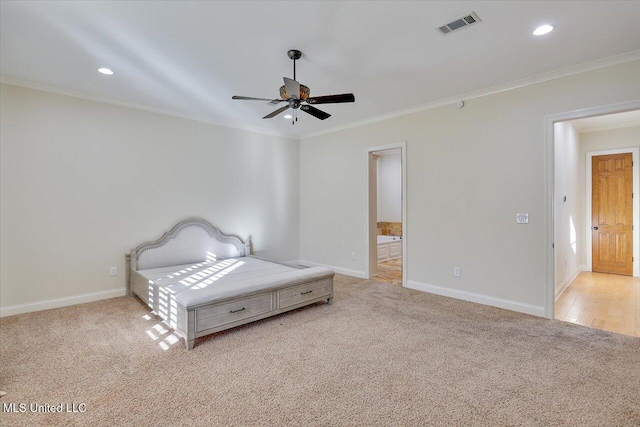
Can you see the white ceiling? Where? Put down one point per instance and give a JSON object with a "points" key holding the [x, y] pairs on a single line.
{"points": [[608, 121], [189, 58]]}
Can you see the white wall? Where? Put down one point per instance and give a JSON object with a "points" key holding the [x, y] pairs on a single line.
{"points": [[469, 171], [83, 182], [569, 213], [610, 139], [389, 188]]}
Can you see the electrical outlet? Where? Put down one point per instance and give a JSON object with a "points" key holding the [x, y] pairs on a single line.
{"points": [[353, 255], [566, 263], [522, 218], [456, 272], [113, 271]]}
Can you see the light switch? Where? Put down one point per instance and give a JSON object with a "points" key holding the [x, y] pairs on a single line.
{"points": [[522, 218]]}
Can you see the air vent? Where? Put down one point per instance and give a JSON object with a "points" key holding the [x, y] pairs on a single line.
{"points": [[463, 22]]}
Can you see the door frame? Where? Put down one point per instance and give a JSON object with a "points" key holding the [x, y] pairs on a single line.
{"points": [[370, 237], [549, 164], [635, 152]]}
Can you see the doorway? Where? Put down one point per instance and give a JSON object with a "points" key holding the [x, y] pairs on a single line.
{"points": [[612, 213], [386, 214], [596, 220]]}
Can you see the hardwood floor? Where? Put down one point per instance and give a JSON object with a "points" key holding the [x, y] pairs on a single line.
{"points": [[390, 271], [602, 301]]}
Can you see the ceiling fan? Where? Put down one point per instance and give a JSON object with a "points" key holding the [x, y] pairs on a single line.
{"points": [[296, 96]]}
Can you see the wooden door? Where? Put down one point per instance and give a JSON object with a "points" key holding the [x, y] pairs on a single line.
{"points": [[612, 214]]}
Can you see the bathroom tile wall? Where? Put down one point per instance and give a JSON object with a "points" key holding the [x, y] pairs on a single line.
{"points": [[390, 228]]}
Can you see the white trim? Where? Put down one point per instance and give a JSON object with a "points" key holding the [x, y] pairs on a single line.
{"points": [[520, 307], [635, 152], [568, 281], [339, 270], [12, 310], [549, 184], [528, 81], [81, 95], [402, 145]]}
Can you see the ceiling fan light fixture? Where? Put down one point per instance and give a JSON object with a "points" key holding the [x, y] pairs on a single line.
{"points": [[288, 116], [304, 93], [105, 71]]}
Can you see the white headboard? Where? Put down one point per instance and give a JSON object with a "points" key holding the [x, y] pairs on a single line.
{"points": [[190, 241]]}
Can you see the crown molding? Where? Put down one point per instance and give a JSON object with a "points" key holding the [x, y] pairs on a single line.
{"points": [[528, 81], [81, 95]]}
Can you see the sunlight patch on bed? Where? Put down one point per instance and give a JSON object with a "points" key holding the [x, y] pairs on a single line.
{"points": [[204, 278], [161, 296], [230, 264]]}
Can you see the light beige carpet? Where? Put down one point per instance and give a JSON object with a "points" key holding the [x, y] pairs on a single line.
{"points": [[380, 355]]}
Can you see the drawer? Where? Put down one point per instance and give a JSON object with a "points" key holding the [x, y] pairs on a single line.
{"points": [[305, 292], [395, 249], [383, 252], [218, 315]]}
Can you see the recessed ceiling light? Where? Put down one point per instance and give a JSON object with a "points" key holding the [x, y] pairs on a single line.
{"points": [[288, 116], [106, 71], [543, 29]]}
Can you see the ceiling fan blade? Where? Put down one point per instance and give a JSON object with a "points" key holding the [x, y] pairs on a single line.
{"points": [[275, 113], [315, 112], [248, 98], [292, 87], [332, 99], [277, 101]]}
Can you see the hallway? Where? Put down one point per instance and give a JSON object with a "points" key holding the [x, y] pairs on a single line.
{"points": [[602, 301]]}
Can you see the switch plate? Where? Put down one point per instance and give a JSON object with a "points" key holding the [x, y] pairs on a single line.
{"points": [[113, 271], [522, 218], [353, 255], [456, 272]]}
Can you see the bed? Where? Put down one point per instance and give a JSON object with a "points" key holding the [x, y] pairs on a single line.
{"points": [[200, 281]]}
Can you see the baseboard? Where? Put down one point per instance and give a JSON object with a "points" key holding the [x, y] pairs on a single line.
{"points": [[339, 270], [478, 298], [12, 310], [567, 282]]}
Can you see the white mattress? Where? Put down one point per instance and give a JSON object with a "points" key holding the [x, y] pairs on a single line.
{"points": [[220, 274]]}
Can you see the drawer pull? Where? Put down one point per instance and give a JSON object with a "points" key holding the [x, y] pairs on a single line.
{"points": [[308, 292], [235, 311]]}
